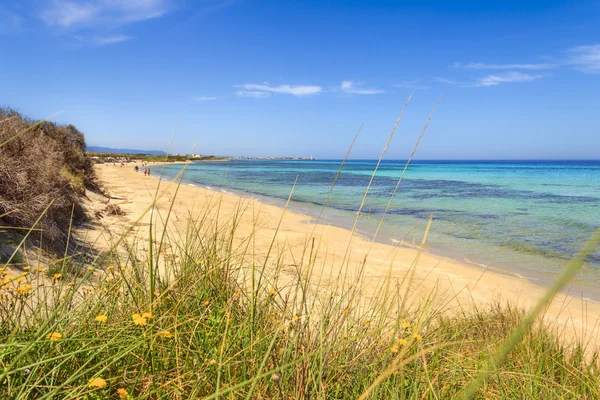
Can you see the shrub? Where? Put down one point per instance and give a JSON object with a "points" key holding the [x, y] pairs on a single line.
{"points": [[42, 166]]}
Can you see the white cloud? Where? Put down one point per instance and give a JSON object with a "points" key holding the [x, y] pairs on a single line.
{"points": [[350, 87], [483, 66], [69, 14], [414, 84], [104, 40], [253, 90], [254, 94], [445, 80], [204, 98], [509, 77], [585, 58]]}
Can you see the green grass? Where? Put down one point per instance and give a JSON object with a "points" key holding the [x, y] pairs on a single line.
{"points": [[201, 312], [231, 337]]}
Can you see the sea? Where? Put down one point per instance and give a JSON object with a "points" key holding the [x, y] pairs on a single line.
{"points": [[526, 218]]}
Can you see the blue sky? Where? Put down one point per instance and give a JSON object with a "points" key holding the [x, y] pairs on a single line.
{"points": [[272, 78]]}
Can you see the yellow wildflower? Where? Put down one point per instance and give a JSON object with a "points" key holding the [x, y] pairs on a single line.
{"points": [[70, 284], [206, 303], [101, 318], [402, 342], [26, 268], [394, 349], [24, 289], [147, 315], [40, 269], [295, 317], [56, 276], [54, 336], [368, 324], [139, 320], [166, 334], [97, 383], [110, 268], [91, 269], [417, 337], [406, 324], [21, 279], [272, 292], [109, 280], [123, 394]]}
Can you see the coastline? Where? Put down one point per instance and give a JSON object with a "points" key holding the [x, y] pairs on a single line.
{"points": [[458, 283], [543, 279]]}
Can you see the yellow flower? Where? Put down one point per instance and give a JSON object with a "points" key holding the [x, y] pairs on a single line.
{"points": [[147, 315], [91, 269], [56, 276], [394, 349], [406, 324], [26, 268], [402, 342], [70, 284], [166, 334], [123, 395], [110, 268], [24, 289], [212, 362], [417, 337], [101, 318], [54, 336], [368, 324], [272, 292], [206, 303], [21, 279], [295, 317], [139, 320], [97, 383], [40, 269]]}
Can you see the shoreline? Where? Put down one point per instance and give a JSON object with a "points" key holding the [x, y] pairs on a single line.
{"points": [[538, 278], [459, 282]]}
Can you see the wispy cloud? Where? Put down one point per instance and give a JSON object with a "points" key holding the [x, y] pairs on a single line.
{"points": [[253, 90], [104, 40], [447, 81], [204, 98], [509, 77], [483, 66], [414, 84], [351, 87], [94, 22], [254, 94], [585, 58], [68, 14]]}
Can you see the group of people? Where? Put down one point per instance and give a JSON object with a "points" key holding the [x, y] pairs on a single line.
{"points": [[146, 170]]}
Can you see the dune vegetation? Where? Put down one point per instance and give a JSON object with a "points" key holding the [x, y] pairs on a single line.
{"points": [[44, 173], [196, 314]]}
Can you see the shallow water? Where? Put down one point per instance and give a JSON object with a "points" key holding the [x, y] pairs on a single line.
{"points": [[529, 215]]}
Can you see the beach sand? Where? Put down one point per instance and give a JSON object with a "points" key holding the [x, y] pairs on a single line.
{"points": [[454, 284]]}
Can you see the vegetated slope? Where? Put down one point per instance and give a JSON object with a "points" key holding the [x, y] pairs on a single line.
{"points": [[42, 166]]}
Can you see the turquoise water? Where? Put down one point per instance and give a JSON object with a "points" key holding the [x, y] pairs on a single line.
{"points": [[529, 215]]}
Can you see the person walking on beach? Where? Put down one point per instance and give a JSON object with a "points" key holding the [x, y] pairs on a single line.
{"points": [[145, 171], [148, 171]]}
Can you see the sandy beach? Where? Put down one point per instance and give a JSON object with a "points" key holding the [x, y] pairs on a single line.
{"points": [[455, 285]]}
